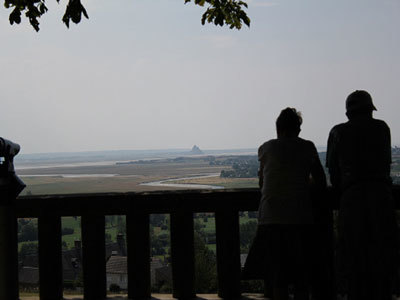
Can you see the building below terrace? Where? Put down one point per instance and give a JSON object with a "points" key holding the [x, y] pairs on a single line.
{"points": [[117, 272], [28, 272]]}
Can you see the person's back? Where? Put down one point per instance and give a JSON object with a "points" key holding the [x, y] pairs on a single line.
{"points": [[286, 171], [283, 241], [361, 150], [358, 158]]}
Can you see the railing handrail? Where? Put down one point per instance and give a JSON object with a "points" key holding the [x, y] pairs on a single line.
{"points": [[152, 202]]}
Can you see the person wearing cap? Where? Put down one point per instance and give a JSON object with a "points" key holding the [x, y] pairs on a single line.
{"points": [[359, 159]]}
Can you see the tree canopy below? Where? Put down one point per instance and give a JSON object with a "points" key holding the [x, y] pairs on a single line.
{"points": [[219, 12]]}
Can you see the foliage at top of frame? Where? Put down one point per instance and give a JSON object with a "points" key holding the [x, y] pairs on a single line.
{"points": [[34, 9], [219, 12]]}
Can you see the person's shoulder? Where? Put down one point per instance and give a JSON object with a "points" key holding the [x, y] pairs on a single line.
{"points": [[380, 123], [307, 143], [268, 143], [338, 130], [339, 127], [304, 141], [264, 147]]}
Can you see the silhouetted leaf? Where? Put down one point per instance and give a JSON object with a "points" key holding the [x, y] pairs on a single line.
{"points": [[246, 19], [200, 2], [43, 9], [203, 19], [229, 12], [243, 3], [74, 12], [15, 16], [85, 13]]}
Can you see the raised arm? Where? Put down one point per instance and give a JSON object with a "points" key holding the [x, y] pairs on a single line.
{"points": [[332, 159], [261, 175], [261, 168], [318, 174], [317, 171]]}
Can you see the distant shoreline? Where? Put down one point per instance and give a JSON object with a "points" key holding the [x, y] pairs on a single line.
{"points": [[107, 158]]}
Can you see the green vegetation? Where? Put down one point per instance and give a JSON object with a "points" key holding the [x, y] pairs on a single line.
{"points": [[27, 230], [242, 184], [204, 241], [205, 266], [242, 167], [247, 234], [28, 237], [219, 12], [159, 235], [27, 248], [228, 183], [204, 224], [74, 226], [204, 248]]}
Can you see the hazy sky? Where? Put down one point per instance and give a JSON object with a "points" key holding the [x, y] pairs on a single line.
{"points": [[147, 75]]}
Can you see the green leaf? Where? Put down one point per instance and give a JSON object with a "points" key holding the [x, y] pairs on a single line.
{"points": [[74, 12], [200, 2], [229, 12], [15, 16], [43, 9]]}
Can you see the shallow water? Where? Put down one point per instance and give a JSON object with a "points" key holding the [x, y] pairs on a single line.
{"points": [[169, 183], [69, 175]]}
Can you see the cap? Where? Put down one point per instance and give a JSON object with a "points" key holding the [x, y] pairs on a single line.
{"points": [[359, 100]]}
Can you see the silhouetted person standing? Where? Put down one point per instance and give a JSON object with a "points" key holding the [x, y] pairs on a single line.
{"points": [[285, 221], [359, 158]]}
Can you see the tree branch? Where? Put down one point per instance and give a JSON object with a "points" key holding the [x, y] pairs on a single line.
{"points": [[219, 12]]}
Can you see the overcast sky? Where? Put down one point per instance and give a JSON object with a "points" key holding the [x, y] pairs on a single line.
{"points": [[147, 75]]}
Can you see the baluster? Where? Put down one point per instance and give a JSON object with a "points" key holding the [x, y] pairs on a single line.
{"points": [[324, 281], [138, 242], [94, 257], [50, 260], [332, 281], [228, 254], [182, 255], [8, 252]]}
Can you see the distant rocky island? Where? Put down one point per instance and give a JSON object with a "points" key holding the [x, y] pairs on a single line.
{"points": [[196, 150]]}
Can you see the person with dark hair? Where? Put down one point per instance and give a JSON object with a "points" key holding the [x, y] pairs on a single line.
{"points": [[285, 218], [359, 158]]}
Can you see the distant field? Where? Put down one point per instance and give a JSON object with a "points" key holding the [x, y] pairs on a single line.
{"points": [[59, 185], [225, 182], [128, 177]]}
